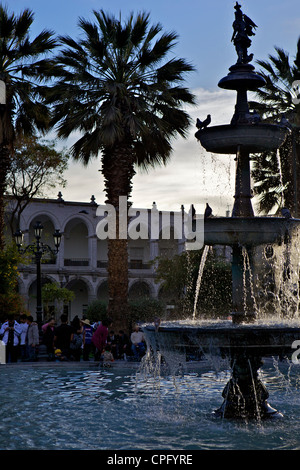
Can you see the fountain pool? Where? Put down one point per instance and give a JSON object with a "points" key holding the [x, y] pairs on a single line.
{"points": [[74, 408]]}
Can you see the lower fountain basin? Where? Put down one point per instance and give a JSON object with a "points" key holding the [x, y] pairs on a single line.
{"points": [[225, 339], [254, 138], [252, 231]]}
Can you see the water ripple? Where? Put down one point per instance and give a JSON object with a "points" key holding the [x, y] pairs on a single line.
{"points": [[99, 409]]}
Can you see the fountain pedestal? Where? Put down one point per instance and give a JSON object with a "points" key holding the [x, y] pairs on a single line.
{"points": [[245, 396]]}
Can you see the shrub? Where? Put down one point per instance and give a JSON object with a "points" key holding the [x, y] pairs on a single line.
{"points": [[96, 311], [145, 310]]}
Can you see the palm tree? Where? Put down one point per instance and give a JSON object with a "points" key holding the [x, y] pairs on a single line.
{"points": [[125, 97], [23, 68], [277, 175]]}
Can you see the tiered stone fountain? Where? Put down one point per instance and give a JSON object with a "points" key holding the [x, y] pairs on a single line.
{"points": [[245, 341]]}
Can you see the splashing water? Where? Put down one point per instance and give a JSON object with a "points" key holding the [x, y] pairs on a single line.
{"points": [[200, 274], [280, 177], [247, 269], [275, 282]]}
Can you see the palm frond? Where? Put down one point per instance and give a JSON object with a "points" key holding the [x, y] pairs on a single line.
{"points": [[118, 84]]}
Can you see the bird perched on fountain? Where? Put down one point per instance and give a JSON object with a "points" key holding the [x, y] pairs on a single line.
{"points": [[208, 211], [253, 118], [203, 124], [286, 213], [192, 212]]}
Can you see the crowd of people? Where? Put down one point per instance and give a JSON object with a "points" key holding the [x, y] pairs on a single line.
{"points": [[75, 341]]}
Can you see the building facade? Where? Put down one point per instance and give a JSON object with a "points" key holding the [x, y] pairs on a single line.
{"points": [[81, 263]]}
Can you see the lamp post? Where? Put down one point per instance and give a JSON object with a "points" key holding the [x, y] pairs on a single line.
{"points": [[38, 248]]}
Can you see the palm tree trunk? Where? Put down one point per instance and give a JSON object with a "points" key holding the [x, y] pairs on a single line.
{"points": [[118, 308], [118, 171]]}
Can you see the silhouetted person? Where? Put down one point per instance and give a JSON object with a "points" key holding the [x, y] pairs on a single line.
{"points": [[63, 336], [10, 332]]}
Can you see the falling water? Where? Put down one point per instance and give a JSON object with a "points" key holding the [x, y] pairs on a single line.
{"points": [[280, 176], [255, 394], [189, 289], [279, 290], [200, 273], [247, 268]]}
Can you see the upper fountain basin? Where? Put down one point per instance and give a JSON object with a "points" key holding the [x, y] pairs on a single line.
{"points": [[253, 138], [247, 231], [242, 77]]}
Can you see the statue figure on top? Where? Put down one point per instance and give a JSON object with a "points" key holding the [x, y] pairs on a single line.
{"points": [[242, 28]]}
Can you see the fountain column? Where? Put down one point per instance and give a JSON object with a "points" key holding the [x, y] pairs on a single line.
{"points": [[242, 301], [243, 194], [241, 78]]}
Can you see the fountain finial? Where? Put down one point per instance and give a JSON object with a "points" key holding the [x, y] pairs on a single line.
{"points": [[242, 28]]}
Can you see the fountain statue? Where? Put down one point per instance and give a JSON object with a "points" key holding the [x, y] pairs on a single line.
{"points": [[244, 341]]}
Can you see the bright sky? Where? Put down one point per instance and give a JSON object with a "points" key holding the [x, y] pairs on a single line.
{"points": [[205, 30]]}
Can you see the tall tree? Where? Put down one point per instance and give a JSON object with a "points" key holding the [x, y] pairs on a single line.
{"points": [[23, 69], [277, 175], [36, 168], [124, 93]]}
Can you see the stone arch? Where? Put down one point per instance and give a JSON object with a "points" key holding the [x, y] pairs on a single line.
{"points": [[167, 297], [49, 227], [102, 291], [76, 242], [140, 289], [72, 220], [82, 290], [42, 216]]}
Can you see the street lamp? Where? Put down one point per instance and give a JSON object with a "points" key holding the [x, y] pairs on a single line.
{"points": [[38, 248]]}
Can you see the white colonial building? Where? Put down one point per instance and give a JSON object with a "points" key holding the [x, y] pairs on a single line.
{"points": [[82, 258]]}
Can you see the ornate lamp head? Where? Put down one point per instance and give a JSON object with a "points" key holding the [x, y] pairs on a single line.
{"points": [[57, 238], [38, 228], [18, 235]]}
